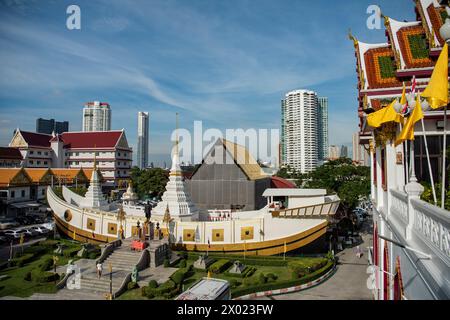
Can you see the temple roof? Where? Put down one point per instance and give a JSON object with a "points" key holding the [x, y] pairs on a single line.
{"points": [[14, 176], [96, 139], [244, 160], [10, 153]]}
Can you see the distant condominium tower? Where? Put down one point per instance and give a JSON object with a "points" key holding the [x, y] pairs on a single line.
{"points": [[96, 116], [299, 136], [142, 149], [344, 152], [334, 152], [48, 126], [322, 126]]}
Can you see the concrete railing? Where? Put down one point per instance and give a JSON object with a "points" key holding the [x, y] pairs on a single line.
{"points": [[107, 249], [317, 211], [432, 226]]}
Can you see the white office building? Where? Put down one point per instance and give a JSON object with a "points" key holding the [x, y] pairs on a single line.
{"points": [[299, 136], [96, 116], [142, 149]]}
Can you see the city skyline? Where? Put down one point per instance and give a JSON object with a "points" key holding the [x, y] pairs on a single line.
{"points": [[176, 59]]}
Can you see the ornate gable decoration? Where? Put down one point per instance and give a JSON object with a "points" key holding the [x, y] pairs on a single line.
{"points": [[18, 141], [122, 143], [414, 46], [21, 178], [381, 68]]}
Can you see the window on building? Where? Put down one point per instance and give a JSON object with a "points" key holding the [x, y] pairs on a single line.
{"points": [[23, 193], [46, 153], [45, 162], [119, 154], [43, 192], [13, 194], [38, 162], [39, 152], [31, 162], [31, 152]]}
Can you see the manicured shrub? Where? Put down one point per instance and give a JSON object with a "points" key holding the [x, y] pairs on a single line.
{"points": [[248, 272], [178, 276], [22, 260], [43, 276], [153, 284], [132, 285], [183, 255], [35, 250], [46, 264], [27, 276], [234, 283], [183, 263], [219, 266], [48, 243], [262, 278], [271, 276], [166, 263], [94, 254], [68, 253]]}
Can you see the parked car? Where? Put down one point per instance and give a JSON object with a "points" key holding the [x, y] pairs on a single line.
{"points": [[14, 234], [8, 223], [30, 232], [40, 229]]}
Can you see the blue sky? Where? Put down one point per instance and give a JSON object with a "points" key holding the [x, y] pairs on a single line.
{"points": [[226, 63]]}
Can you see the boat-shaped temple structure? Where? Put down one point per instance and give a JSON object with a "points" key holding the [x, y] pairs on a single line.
{"points": [[290, 219]]}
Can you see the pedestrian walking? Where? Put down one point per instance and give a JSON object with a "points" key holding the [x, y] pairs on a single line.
{"points": [[99, 270]]}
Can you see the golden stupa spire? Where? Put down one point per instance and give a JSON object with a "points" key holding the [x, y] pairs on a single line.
{"points": [[95, 157], [176, 132]]}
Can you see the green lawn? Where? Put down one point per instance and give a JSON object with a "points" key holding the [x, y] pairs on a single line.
{"points": [[16, 285]]}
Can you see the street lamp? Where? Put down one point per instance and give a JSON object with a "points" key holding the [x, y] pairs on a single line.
{"points": [[445, 34]]}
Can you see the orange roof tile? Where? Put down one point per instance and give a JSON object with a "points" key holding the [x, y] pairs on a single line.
{"points": [[36, 174]]}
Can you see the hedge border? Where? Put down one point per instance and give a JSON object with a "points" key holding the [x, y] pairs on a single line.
{"points": [[286, 286]]}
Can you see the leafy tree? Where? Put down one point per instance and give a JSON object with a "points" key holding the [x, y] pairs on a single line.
{"points": [[288, 173], [149, 182], [341, 176]]}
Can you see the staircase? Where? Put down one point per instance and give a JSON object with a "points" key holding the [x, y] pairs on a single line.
{"points": [[122, 259]]}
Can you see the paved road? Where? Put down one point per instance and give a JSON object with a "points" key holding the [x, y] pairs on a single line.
{"points": [[349, 281]]}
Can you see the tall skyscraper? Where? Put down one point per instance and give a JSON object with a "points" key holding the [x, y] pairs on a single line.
{"points": [[142, 149], [322, 127], [48, 126], [96, 116], [299, 136], [344, 152]]}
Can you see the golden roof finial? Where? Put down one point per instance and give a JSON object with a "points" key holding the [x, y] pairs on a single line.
{"points": [[95, 157], [176, 131], [352, 38]]}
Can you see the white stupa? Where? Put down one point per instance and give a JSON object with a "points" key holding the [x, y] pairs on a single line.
{"points": [[94, 196], [176, 198]]}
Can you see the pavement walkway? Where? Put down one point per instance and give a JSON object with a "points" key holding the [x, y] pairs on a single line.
{"points": [[349, 280]]}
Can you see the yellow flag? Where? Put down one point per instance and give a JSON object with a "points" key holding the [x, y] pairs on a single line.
{"points": [[74, 235], [285, 248], [384, 115], [437, 89], [403, 99], [408, 130]]}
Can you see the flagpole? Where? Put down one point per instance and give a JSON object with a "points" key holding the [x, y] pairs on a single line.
{"points": [[444, 147], [429, 162]]}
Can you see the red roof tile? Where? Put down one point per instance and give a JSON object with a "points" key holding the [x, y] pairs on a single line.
{"points": [[99, 139], [36, 139], [10, 153], [280, 183]]}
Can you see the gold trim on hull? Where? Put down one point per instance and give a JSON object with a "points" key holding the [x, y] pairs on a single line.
{"points": [[262, 248]]}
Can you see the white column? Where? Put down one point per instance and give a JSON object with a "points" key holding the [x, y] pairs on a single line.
{"points": [[379, 185], [372, 166], [414, 190]]}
